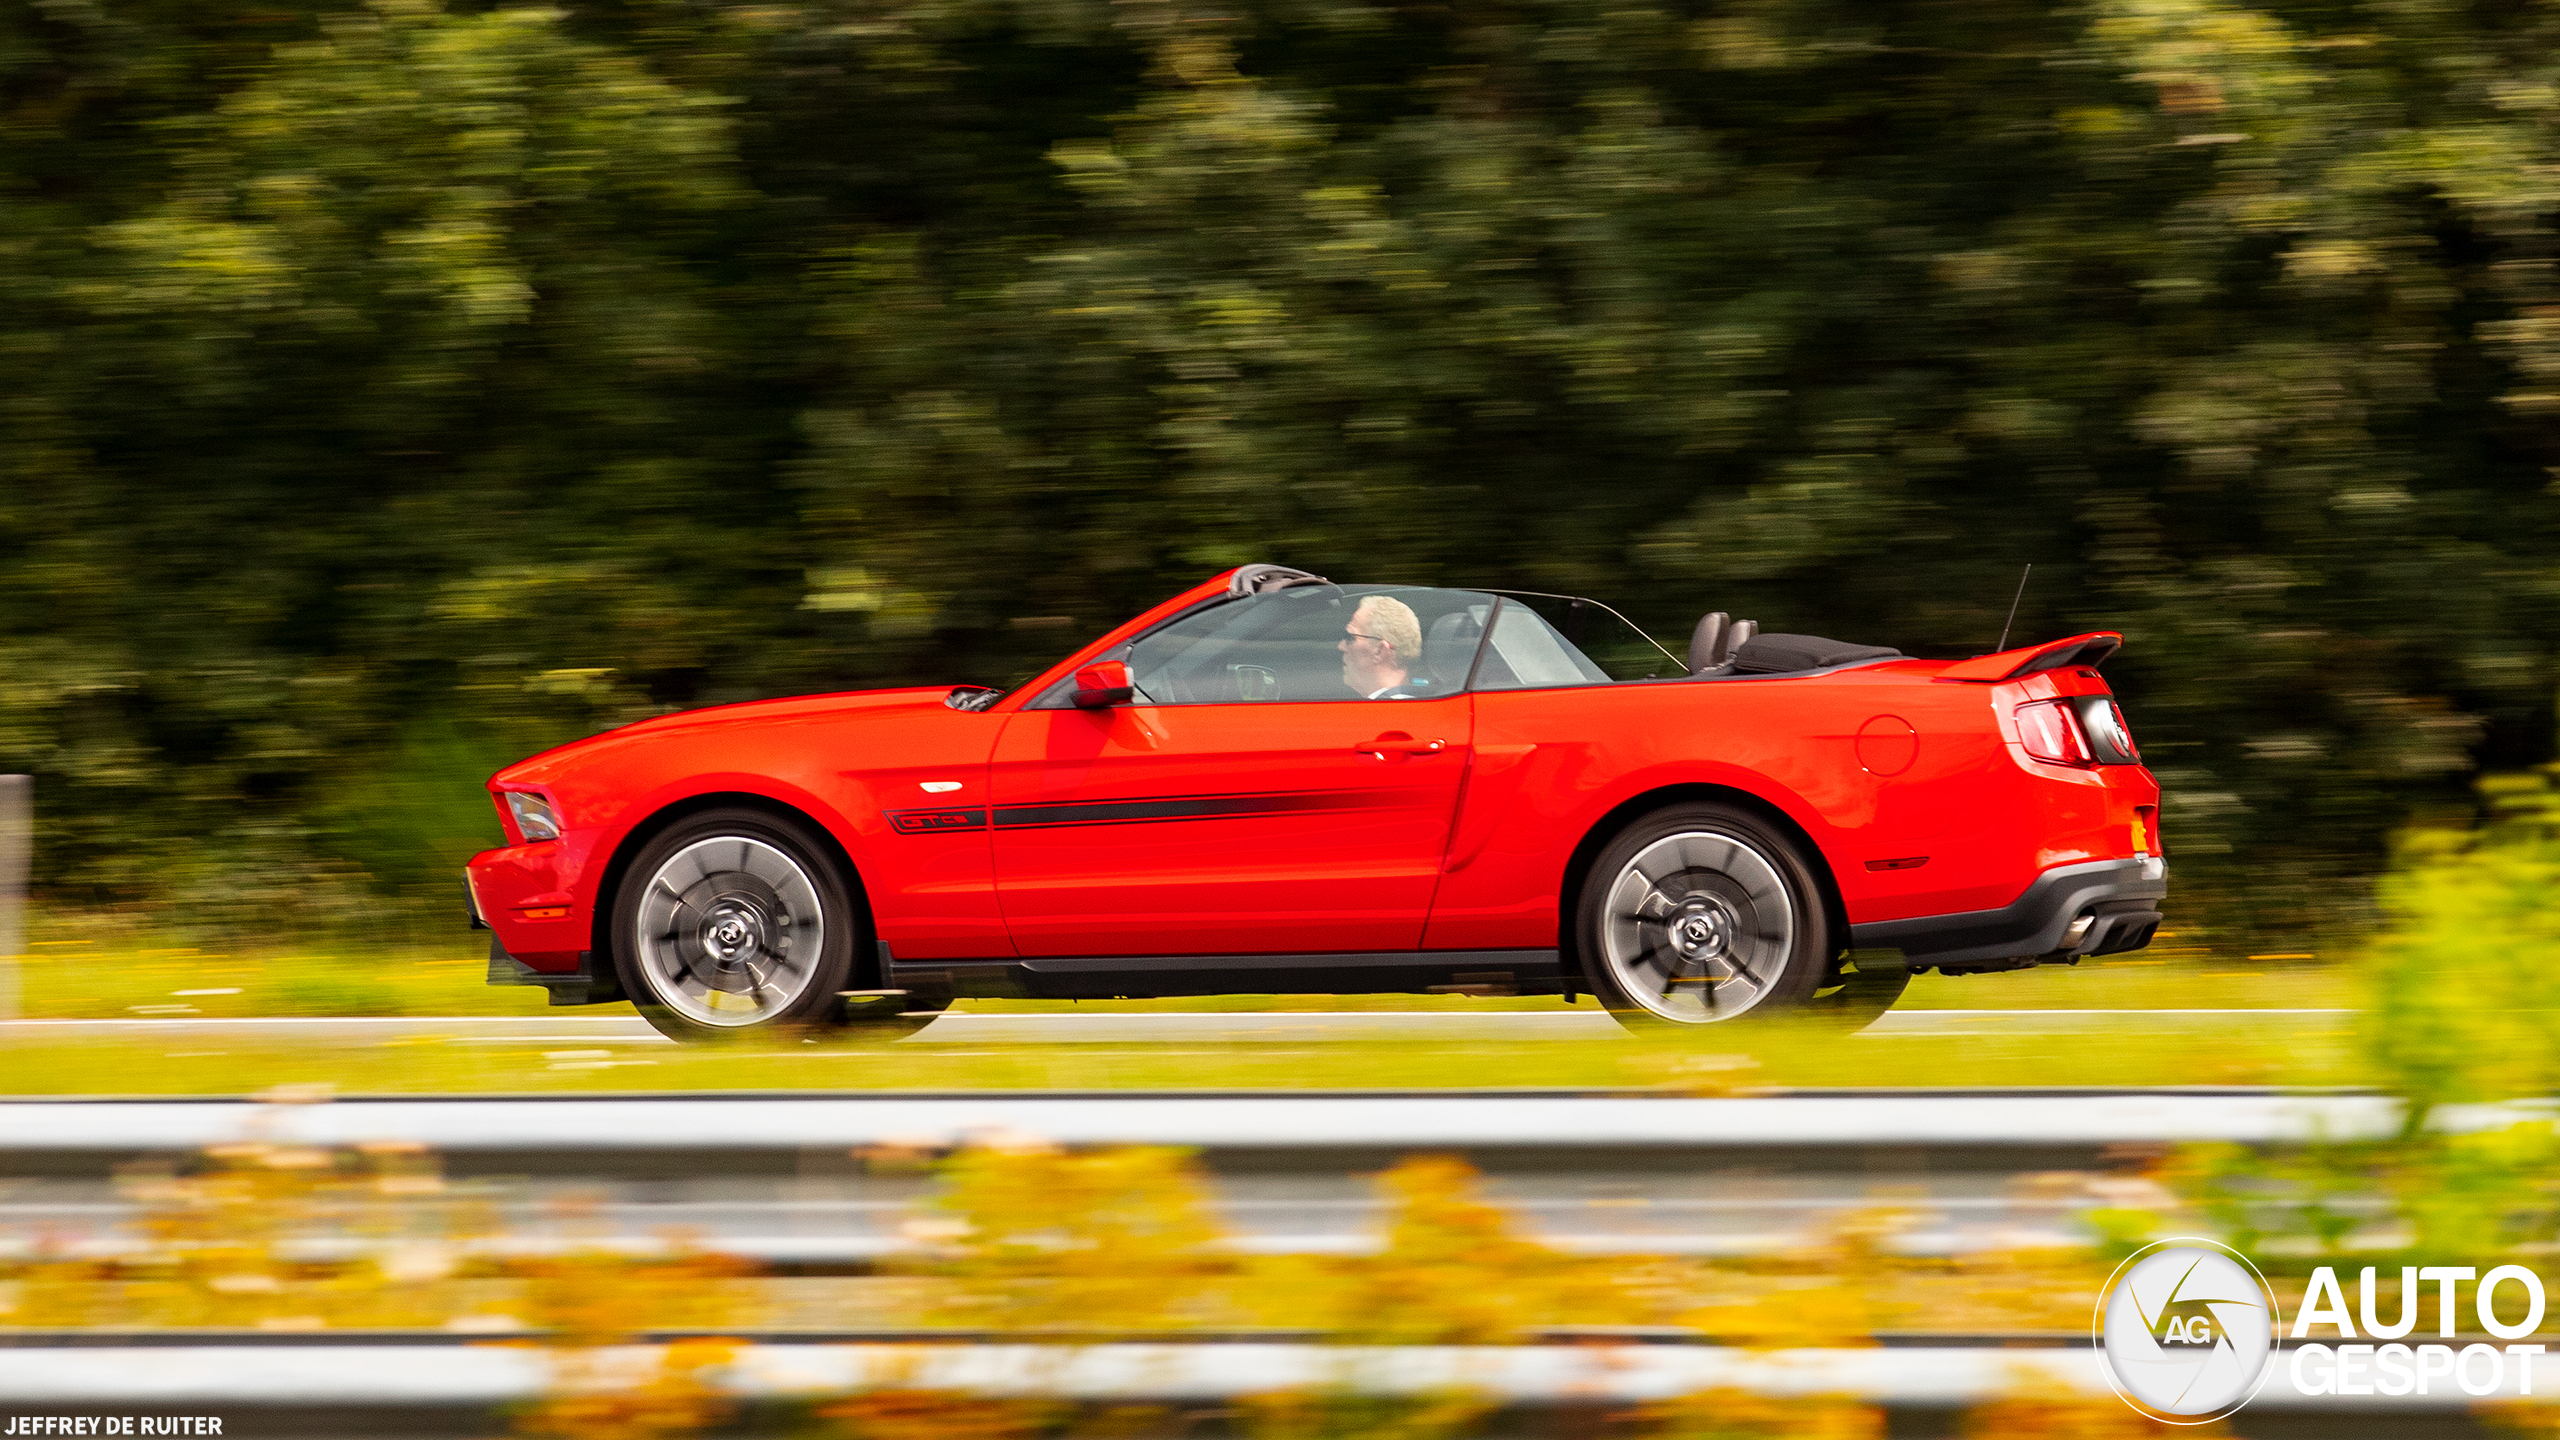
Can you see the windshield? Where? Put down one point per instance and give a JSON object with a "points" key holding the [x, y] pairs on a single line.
{"points": [[1325, 642], [1314, 643]]}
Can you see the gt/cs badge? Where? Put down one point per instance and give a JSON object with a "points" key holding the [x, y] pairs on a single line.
{"points": [[928, 822]]}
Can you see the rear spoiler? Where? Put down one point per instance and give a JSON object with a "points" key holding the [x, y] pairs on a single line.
{"points": [[2054, 655]]}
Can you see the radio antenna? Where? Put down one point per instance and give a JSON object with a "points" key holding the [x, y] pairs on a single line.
{"points": [[2013, 610]]}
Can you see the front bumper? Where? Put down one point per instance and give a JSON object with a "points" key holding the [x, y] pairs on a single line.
{"points": [[525, 894], [589, 984], [2120, 900], [539, 936]]}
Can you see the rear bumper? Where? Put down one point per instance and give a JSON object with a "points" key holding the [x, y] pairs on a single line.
{"points": [[2119, 898]]}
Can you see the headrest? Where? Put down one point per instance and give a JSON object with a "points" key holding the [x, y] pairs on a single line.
{"points": [[1706, 643], [1451, 647]]}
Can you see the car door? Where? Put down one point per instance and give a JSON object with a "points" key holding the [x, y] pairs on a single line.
{"points": [[1236, 806]]}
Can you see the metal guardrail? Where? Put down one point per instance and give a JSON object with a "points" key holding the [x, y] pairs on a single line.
{"points": [[395, 1385], [778, 1179], [457, 1376]]}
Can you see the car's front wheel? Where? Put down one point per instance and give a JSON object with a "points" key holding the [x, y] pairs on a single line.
{"points": [[734, 921], [1698, 914]]}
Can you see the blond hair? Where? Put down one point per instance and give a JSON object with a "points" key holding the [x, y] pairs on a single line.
{"points": [[1393, 621]]}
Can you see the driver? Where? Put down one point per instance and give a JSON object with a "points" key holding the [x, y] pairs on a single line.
{"points": [[1381, 644]]}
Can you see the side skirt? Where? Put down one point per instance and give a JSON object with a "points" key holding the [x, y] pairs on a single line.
{"points": [[1141, 977]]}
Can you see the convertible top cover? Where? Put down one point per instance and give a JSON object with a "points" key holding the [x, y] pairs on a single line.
{"points": [[1778, 654]]}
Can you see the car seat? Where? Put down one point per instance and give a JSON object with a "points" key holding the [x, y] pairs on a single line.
{"points": [[1718, 638], [1451, 647]]}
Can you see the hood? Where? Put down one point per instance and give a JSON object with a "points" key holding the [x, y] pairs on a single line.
{"points": [[535, 769]]}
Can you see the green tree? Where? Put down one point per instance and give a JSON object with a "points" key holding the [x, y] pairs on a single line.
{"points": [[391, 389]]}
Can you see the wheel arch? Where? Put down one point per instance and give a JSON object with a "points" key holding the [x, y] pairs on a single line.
{"points": [[1609, 826], [637, 838]]}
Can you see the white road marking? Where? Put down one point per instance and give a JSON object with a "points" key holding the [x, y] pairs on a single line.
{"points": [[980, 1028]]}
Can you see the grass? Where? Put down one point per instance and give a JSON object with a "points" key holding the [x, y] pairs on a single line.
{"points": [[1789, 1056], [107, 974], [110, 973], [113, 976]]}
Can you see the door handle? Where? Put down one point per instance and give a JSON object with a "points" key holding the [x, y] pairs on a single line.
{"points": [[1396, 742]]}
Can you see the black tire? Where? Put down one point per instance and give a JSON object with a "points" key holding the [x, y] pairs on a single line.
{"points": [[737, 922], [1701, 914]]}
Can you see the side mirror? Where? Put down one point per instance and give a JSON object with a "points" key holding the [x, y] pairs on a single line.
{"points": [[1102, 684]]}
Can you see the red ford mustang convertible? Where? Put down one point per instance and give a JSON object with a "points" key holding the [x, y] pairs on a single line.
{"points": [[1274, 783]]}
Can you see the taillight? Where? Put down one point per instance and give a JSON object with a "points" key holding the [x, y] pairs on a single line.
{"points": [[2108, 736], [2050, 729]]}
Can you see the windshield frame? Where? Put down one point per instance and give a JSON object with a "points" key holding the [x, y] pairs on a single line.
{"points": [[1056, 695], [1647, 635]]}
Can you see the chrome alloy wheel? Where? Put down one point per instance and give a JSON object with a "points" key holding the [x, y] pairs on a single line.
{"points": [[729, 931], [1699, 927]]}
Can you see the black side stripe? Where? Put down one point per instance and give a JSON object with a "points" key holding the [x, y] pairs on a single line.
{"points": [[1131, 812]]}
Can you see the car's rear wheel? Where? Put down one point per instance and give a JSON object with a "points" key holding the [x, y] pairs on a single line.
{"points": [[1700, 914], [734, 922]]}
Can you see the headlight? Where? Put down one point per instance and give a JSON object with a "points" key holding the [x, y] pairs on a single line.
{"points": [[535, 819]]}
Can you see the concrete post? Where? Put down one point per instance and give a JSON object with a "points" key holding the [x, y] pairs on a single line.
{"points": [[17, 839]]}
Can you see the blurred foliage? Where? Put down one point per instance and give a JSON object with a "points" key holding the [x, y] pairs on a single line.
{"points": [[273, 1235], [597, 1297], [591, 1303], [2036, 1412], [2494, 1192], [1727, 1414], [1836, 1304], [1343, 1414], [224, 1241], [269, 1235], [597, 1397], [2459, 1009], [1456, 1269], [1033, 1238], [390, 390], [2462, 988], [1039, 1238], [891, 1413], [2519, 1419]]}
